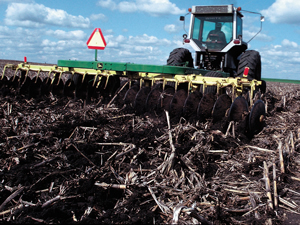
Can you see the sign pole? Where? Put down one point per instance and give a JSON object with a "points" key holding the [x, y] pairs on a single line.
{"points": [[96, 51]]}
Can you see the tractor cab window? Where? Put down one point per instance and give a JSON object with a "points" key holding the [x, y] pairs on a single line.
{"points": [[212, 31]]}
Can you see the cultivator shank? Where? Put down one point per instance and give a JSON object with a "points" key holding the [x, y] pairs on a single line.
{"points": [[185, 92]]}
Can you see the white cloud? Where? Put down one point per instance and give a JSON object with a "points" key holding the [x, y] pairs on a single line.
{"points": [[38, 15], [127, 7], [99, 16], [152, 7], [11, 1], [110, 4], [287, 43], [145, 39], [172, 28], [261, 36], [41, 45], [283, 11], [281, 61], [64, 35]]}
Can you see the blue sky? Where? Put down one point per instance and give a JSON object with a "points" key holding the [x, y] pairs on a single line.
{"points": [[140, 31]]}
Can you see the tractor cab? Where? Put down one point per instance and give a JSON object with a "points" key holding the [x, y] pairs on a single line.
{"points": [[216, 36]]}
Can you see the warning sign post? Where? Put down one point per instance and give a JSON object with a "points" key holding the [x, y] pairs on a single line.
{"points": [[96, 41]]}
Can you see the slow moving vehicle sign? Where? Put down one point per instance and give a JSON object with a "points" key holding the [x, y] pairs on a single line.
{"points": [[96, 40]]}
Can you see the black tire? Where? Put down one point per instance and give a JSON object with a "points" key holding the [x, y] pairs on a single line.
{"points": [[179, 57], [252, 60]]}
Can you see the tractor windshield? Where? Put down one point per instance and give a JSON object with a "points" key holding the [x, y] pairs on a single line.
{"points": [[213, 31]]}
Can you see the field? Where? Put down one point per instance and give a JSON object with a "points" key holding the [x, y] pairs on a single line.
{"points": [[62, 161]]}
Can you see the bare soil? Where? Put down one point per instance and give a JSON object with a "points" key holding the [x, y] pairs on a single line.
{"points": [[62, 161]]}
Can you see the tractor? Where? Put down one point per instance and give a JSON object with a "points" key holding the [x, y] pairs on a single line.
{"points": [[216, 35]]}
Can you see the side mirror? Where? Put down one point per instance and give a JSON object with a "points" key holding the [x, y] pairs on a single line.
{"points": [[181, 18]]}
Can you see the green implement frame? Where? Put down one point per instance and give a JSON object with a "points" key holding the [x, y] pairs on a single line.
{"points": [[131, 67], [146, 74]]}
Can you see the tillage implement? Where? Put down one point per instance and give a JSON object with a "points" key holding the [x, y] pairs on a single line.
{"points": [[222, 82]]}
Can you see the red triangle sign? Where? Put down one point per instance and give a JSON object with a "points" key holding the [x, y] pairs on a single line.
{"points": [[96, 40]]}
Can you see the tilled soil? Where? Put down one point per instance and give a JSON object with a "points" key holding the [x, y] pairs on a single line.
{"points": [[62, 161]]}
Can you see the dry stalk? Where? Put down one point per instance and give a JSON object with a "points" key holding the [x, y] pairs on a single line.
{"points": [[267, 183], [162, 207], [127, 150], [170, 161], [62, 191], [253, 203], [203, 221], [241, 192], [228, 128], [12, 196], [120, 144], [282, 170], [176, 212], [275, 185], [295, 178], [107, 106], [292, 191], [259, 149], [254, 209], [116, 186], [86, 157], [287, 203], [87, 212], [20, 206], [292, 143]]}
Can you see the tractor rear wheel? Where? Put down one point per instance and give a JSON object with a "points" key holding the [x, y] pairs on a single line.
{"points": [[180, 57], [252, 60]]}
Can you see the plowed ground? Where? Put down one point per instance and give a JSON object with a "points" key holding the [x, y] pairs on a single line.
{"points": [[63, 162]]}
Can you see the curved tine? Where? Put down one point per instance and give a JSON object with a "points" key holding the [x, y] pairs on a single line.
{"points": [[26, 75], [95, 79], [6, 66], [15, 75], [106, 82], [49, 75], [59, 78], [37, 76]]}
